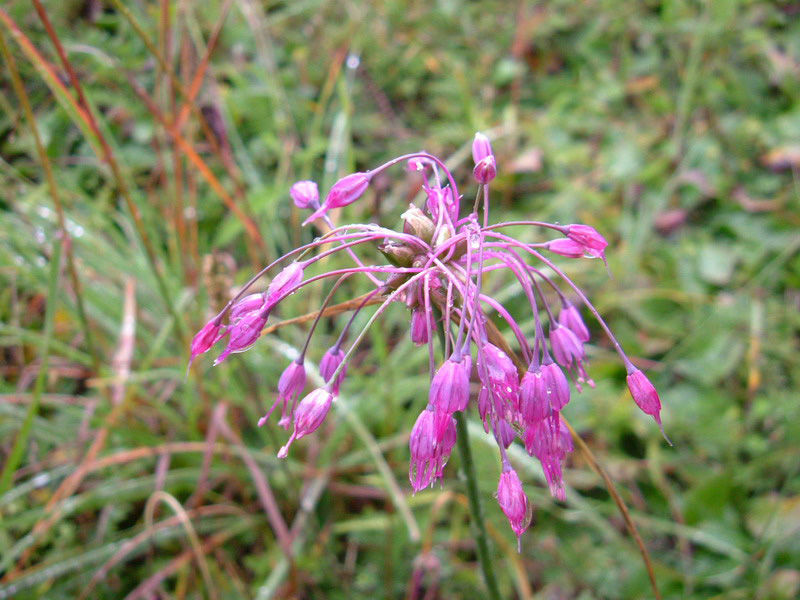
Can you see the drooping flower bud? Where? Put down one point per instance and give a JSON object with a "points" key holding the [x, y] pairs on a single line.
{"points": [[505, 432], [309, 415], [557, 385], [570, 318], [565, 247], [589, 239], [305, 194], [421, 326], [283, 283], [546, 440], [512, 499], [290, 386], [567, 348], [204, 339], [248, 304], [244, 333], [644, 394], [450, 391], [328, 365], [345, 191], [535, 403], [484, 406]]}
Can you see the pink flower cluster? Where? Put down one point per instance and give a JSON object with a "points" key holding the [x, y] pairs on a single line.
{"points": [[438, 266]]}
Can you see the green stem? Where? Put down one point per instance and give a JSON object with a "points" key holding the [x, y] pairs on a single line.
{"points": [[475, 507]]}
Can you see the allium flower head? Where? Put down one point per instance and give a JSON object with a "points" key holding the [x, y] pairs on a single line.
{"points": [[438, 265]]}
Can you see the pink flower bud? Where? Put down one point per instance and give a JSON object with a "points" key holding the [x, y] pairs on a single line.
{"points": [[305, 194], [284, 283], [567, 348], [421, 325], [486, 170], [570, 318], [557, 385], [644, 394], [505, 432], [593, 243], [244, 333], [535, 403], [345, 191], [205, 338], [450, 391], [309, 415], [546, 440], [513, 501], [481, 148], [248, 304], [328, 365], [290, 386], [484, 406], [565, 247]]}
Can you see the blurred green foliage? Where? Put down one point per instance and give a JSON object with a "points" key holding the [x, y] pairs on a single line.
{"points": [[672, 127]]}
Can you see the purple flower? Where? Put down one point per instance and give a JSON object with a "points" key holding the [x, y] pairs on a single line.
{"points": [[571, 319], [309, 415], [513, 501], [328, 365], [445, 269], [644, 394], [345, 191], [305, 194]]}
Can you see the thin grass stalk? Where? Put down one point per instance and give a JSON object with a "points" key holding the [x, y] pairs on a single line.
{"points": [[22, 95]]}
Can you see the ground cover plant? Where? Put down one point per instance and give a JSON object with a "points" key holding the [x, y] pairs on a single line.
{"points": [[148, 152]]}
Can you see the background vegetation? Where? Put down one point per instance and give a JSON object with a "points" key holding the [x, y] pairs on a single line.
{"points": [[672, 127]]}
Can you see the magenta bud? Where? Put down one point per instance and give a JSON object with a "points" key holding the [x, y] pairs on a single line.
{"points": [[421, 326], [644, 394], [305, 194], [486, 170], [248, 304], [567, 348], [284, 283], [557, 385], [309, 415], [428, 457], [534, 400], [505, 432], [570, 318], [565, 247], [345, 191], [293, 380], [513, 501], [481, 148], [450, 385], [547, 441], [244, 334], [484, 406], [592, 242], [204, 339], [328, 365]]}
